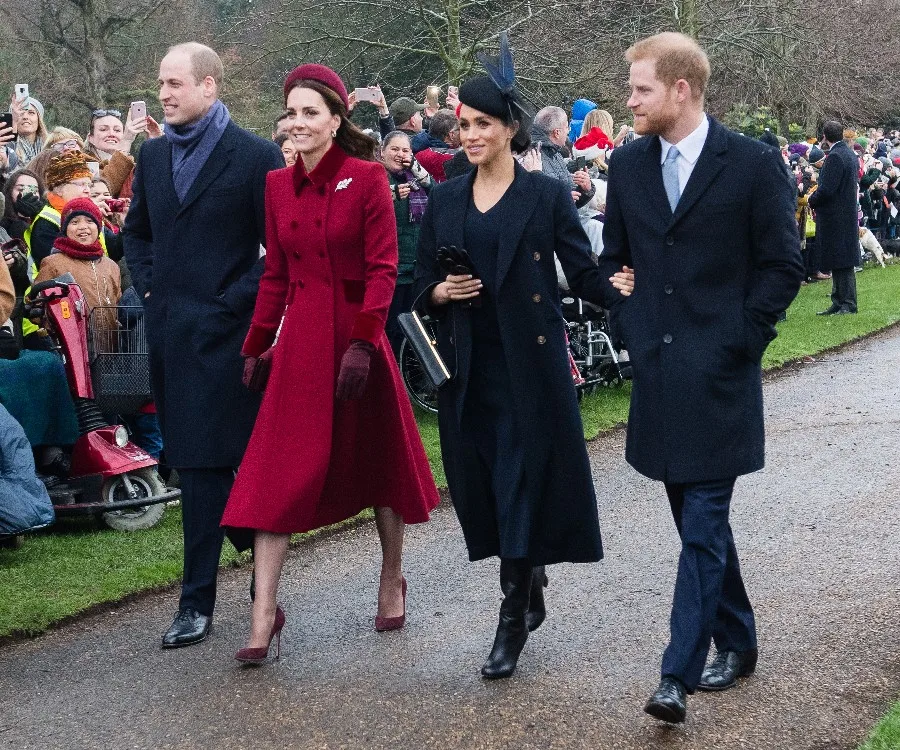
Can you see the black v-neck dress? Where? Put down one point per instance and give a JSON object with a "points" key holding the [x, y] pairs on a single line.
{"points": [[489, 419]]}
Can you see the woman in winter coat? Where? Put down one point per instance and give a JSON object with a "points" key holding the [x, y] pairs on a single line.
{"points": [[511, 434], [410, 185], [335, 433]]}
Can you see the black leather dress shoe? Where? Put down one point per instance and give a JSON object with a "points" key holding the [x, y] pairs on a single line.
{"points": [[725, 669], [669, 702], [830, 311], [188, 627]]}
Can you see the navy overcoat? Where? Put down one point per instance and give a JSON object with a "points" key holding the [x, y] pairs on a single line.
{"points": [[710, 283], [558, 497], [835, 201], [200, 261]]}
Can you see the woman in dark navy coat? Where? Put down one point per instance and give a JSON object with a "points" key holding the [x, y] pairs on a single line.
{"points": [[511, 434]]}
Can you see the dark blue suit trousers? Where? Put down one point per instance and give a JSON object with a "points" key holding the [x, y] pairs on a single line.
{"points": [[710, 602]]}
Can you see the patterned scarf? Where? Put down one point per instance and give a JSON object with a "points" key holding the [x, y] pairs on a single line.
{"points": [[27, 151], [418, 199]]}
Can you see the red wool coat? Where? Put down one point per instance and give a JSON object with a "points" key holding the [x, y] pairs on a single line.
{"points": [[331, 257]]}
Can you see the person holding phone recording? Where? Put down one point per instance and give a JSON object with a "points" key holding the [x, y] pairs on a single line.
{"points": [[410, 185]]}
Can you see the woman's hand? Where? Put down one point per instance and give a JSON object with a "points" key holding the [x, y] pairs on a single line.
{"points": [[623, 281], [456, 289], [153, 128], [403, 190]]}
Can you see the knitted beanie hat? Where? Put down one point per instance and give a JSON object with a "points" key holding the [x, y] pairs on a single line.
{"points": [[81, 207], [65, 168], [320, 73]]}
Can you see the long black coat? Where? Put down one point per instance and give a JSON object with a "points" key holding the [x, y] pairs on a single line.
{"points": [[558, 494], [710, 282], [834, 201], [200, 262]]}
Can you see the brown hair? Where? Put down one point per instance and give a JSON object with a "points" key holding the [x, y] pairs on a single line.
{"points": [[677, 57], [349, 137]]}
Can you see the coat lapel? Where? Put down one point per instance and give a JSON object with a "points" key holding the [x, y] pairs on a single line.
{"points": [[455, 219], [514, 215], [711, 161], [217, 162]]}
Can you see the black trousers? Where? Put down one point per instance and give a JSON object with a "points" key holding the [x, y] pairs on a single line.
{"points": [[204, 493], [710, 602], [843, 288]]}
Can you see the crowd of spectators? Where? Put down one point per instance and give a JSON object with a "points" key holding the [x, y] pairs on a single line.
{"points": [[65, 196]]}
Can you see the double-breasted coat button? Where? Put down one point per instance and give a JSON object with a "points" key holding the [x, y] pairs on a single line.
{"points": [[536, 298], [670, 240], [300, 283], [668, 289], [542, 339], [318, 222], [294, 224], [537, 256], [667, 338], [297, 254]]}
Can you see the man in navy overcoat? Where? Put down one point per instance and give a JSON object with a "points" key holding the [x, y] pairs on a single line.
{"points": [[705, 217], [192, 240], [835, 202]]}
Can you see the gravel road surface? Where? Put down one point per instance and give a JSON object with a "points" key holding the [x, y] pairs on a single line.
{"points": [[816, 531]]}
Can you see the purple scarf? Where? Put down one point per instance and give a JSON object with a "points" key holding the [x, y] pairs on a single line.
{"points": [[418, 199], [193, 143]]}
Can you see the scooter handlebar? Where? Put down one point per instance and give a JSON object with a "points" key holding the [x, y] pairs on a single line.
{"points": [[49, 284]]}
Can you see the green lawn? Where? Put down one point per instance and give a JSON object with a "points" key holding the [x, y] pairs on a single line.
{"points": [[64, 571], [886, 734]]}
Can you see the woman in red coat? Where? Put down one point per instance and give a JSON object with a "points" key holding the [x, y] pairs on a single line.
{"points": [[335, 433]]}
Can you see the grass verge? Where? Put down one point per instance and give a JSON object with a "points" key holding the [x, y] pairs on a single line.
{"points": [[886, 734], [74, 566]]}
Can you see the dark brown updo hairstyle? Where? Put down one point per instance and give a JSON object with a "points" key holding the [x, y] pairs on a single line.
{"points": [[349, 137]]}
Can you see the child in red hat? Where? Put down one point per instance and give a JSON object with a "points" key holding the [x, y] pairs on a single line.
{"points": [[78, 251]]}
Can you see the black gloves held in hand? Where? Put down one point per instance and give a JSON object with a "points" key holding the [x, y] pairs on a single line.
{"points": [[354, 371]]}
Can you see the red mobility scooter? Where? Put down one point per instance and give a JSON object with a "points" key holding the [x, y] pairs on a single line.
{"points": [[108, 373]]}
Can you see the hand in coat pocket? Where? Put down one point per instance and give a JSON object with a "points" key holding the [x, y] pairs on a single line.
{"points": [[256, 371], [354, 371]]}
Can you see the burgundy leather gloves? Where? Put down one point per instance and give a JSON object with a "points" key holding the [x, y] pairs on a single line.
{"points": [[257, 369], [354, 371]]}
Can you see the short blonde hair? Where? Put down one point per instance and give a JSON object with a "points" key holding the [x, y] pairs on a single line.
{"points": [[598, 118], [59, 134], [677, 57]]}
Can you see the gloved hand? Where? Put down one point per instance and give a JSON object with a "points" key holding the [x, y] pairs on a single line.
{"points": [[256, 371], [28, 205], [354, 370]]}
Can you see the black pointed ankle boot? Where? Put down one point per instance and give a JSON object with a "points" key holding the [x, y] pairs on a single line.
{"points": [[537, 609], [512, 632]]}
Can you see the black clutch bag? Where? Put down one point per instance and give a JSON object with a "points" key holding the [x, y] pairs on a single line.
{"points": [[423, 343]]}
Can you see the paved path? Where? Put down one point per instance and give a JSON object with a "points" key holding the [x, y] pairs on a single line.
{"points": [[817, 535]]}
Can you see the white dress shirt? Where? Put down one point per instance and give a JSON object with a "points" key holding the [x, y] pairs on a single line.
{"points": [[689, 149]]}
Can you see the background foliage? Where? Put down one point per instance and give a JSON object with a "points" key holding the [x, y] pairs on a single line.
{"points": [[801, 61]]}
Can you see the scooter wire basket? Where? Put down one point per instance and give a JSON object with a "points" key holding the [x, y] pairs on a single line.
{"points": [[120, 360]]}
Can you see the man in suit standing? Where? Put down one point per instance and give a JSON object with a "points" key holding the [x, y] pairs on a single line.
{"points": [[705, 217], [837, 225], [192, 239]]}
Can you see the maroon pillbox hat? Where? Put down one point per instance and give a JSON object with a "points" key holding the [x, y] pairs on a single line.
{"points": [[315, 72]]}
